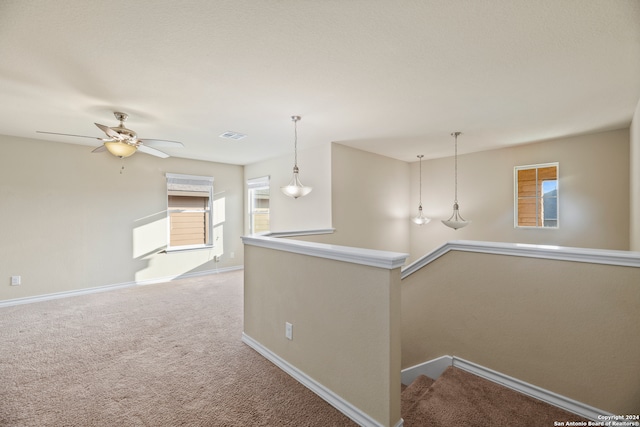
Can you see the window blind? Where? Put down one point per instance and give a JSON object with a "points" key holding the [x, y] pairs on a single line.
{"points": [[255, 183]]}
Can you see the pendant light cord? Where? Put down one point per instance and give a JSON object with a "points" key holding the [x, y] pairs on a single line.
{"points": [[420, 157], [456, 220], [456, 170], [295, 143], [295, 140], [420, 181], [455, 134]]}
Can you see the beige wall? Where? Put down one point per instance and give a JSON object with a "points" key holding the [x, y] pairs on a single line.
{"points": [[594, 194], [372, 197], [370, 201], [567, 327], [635, 180], [346, 324], [71, 220], [312, 211], [364, 196]]}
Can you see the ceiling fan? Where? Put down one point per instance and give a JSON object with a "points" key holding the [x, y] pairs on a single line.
{"points": [[123, 142]]}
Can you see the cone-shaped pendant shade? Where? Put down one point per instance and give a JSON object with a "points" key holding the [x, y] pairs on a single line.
{"points": [[456, 220], [295, 188]]}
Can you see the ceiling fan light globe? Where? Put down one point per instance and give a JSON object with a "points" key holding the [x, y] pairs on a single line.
{"points": [[120, 149]]}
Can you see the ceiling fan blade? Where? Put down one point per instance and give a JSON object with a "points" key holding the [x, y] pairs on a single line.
{"points": [[69, 134], [110, 132], [162, 143], [100, 149], [152, 151]]}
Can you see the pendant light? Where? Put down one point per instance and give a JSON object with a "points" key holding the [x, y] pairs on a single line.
{"points": [[456, 220], [295, 188], [420, 219]]}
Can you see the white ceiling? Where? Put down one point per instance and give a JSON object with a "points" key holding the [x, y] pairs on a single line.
{"points": [[391, 77]]}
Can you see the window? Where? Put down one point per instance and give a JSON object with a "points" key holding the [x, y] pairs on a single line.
{"points": [[258, 204], [536, 201], [189, 207]]}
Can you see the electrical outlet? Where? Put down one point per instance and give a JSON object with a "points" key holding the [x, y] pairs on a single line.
{"points": [[15, 280], [288, 330], [232, 255], [216, 258]]}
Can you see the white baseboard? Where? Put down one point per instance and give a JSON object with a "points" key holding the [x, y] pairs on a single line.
{"points": [[166, 279], [332, 398], [65, 294], [433, 369]]}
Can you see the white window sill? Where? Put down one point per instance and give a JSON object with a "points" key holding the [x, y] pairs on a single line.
{"points": [[187, 248], [525, 227]]}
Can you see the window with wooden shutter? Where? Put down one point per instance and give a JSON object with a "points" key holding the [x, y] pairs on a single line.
{"points": [[536, 200], [189, 207]]}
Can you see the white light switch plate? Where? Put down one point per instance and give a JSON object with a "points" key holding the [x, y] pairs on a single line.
{"points": [[288, 330]]}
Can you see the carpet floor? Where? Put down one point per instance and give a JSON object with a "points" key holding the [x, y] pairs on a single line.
{"points": [[459, 398], [160, 355]]}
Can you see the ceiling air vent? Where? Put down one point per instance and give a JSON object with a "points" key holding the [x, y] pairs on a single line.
{"points": [[232, 135]]}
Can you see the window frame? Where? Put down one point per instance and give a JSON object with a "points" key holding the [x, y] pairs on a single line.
{"points": [[538, 197], [199, 182], [260, 183]]}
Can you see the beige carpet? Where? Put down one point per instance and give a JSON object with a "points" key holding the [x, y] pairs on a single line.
{"points": [[159, 355], [458, 398]]}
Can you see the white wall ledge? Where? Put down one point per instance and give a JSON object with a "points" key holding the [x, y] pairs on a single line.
{"points": [[293, 233], [559, 253], [374, 258]]}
